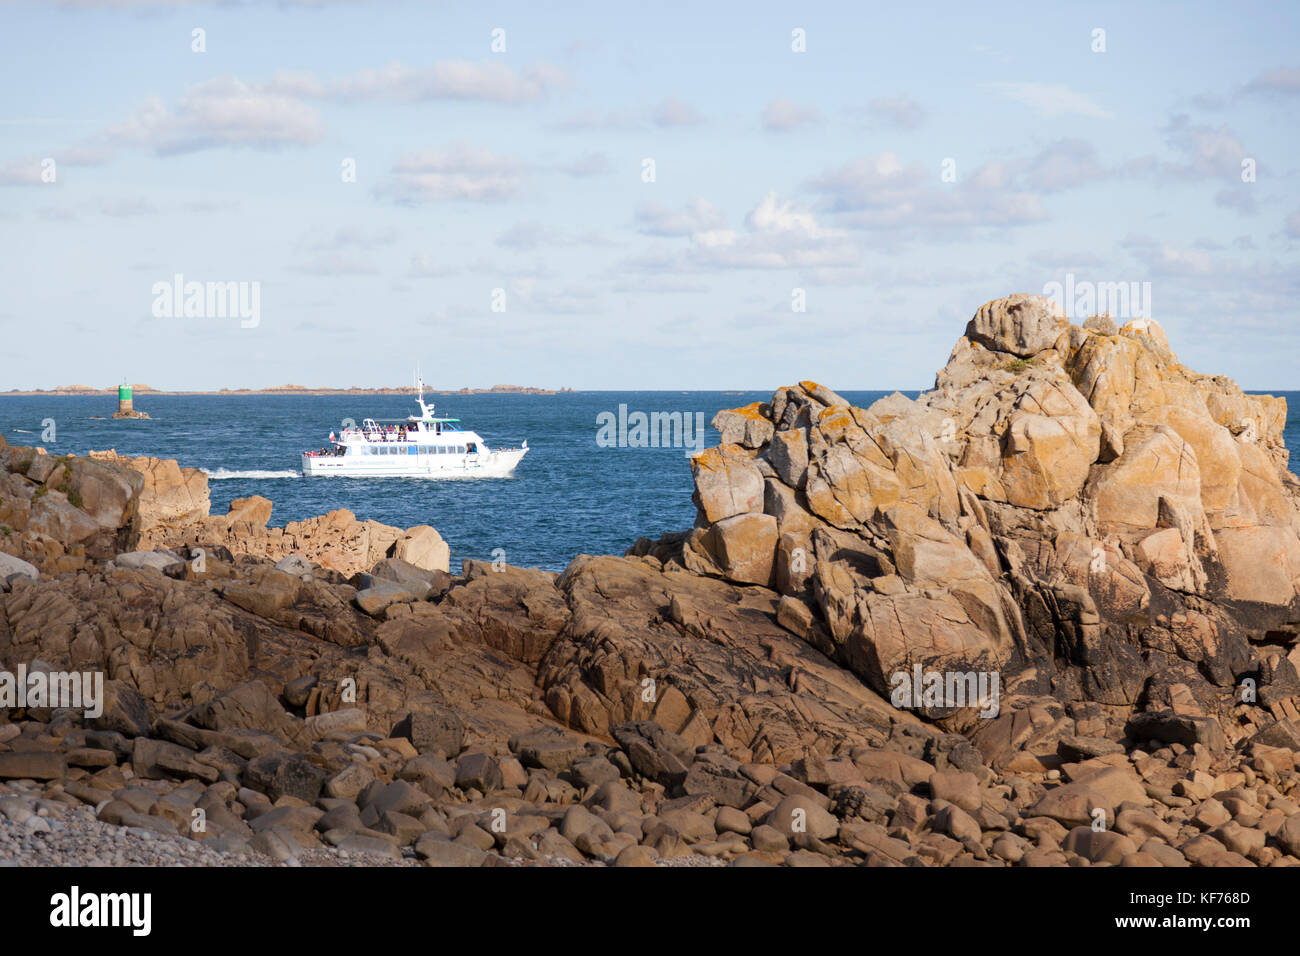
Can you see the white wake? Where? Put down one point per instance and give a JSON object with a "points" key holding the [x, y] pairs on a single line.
{"points": [[222, 473]]}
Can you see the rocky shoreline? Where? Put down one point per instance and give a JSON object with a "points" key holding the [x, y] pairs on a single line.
{"points": [[1112, 540]]}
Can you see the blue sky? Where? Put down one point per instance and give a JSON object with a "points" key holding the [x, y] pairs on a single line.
{"points": [[522, 171]]}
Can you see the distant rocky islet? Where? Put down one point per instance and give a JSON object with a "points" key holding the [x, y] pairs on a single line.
{"points": [[88, 390]]}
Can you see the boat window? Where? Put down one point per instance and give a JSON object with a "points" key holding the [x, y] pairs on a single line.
{"points": [[471, 448], [460, 449], [411, 450]]}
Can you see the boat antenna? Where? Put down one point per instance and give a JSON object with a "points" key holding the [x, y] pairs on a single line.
{"points": [[426, 411]]}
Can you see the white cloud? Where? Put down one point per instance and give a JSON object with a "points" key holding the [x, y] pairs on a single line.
{"points": [[778, 235], [879, 192], [1051, 101], [22, 172], [1284, 81], [1163, 259], [1064, 164], [1208, 152], [698, 216], [772, 215], [781, 116], [490, 82], [216, 113], [461, 172], [676, 112]]}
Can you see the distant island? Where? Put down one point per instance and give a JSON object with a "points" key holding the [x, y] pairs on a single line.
{"points": [[291, 390]]}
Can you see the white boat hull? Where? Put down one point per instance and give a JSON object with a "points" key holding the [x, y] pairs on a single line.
{"points": [[495, 464]]}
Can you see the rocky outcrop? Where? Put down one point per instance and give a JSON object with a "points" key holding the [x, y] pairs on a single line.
{"points": [[1070, 510], [1063, 503], [173, 507], [337, 541], [171, 495], [56, 512]]}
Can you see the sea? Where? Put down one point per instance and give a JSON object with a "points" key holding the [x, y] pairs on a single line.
{"points": [[574, 493]]}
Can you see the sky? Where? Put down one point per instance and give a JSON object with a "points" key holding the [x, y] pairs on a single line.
{"points": [[626, 196]]}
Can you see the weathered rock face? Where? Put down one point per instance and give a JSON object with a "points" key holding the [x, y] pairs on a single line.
{"points": [[1048, 509], [337, 541], [171, 495], [57, 511]]}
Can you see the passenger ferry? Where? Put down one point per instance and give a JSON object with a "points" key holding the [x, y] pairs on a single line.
{"points": [[418, 446]]}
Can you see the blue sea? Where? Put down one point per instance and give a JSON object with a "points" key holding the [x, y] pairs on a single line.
{"points": [[569, 496]]}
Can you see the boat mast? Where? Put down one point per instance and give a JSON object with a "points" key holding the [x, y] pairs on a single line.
{"points": [[426, 411]]}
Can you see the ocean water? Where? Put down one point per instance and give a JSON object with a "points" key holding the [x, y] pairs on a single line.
{"points": [[569, 496]]}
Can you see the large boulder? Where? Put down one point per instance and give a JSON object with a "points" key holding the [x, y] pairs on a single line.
{"points": [[110, 496], [423, 547], [254, 510], [12, 569], [727, 483], [170, 495], [1022, 325], [1052, 439], [1156, 464], [1261, 564]]}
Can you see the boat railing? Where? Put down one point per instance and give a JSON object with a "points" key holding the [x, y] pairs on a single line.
{"points": [[376, 435]]}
